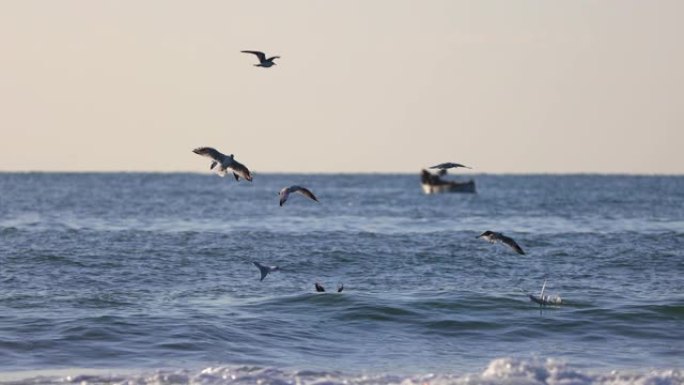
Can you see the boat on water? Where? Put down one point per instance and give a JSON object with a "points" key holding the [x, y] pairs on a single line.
{"points": [[434, 184]]}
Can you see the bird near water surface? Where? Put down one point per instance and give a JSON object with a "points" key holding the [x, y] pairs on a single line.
{"points": [[286, 191], [222, 163], [321, 289], [448, 165], [495, 237], [264, 269]]}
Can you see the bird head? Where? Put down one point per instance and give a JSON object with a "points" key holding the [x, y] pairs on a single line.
{"points": [[486, 233]]}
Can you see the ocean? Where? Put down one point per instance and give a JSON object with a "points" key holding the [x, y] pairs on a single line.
{"points": [[146, 278]]}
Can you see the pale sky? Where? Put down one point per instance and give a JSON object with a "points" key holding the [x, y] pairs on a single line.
{"points": [[506, 86]]}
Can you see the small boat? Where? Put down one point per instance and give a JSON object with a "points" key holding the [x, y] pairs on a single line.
{"points": [[434, 184]]}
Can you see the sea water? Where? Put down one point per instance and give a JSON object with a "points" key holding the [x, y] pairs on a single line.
{"points": [[147, 278]]}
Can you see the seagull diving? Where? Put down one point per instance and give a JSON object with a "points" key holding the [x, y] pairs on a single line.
{"points": [[321, 289], [224, 162], [264, 270], [494, 237], [286, 191]]}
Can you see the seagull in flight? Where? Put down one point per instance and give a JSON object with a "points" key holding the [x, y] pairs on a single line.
{"points": [[264, 270], [286, 191], [224, 162], [494, 237], [448, 165], [263, 61]]}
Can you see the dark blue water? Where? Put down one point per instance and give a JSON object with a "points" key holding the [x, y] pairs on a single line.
{"points": [[151, 273]]}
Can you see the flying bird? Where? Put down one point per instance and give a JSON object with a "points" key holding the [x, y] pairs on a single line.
{"points": [[224, 162], [263, 61], [286, 191], [448, 165], [264, 270], [494, 237]]}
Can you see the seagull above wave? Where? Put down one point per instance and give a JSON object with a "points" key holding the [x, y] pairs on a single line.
{"points": [[321, 289], [494, 237], [263, 61], [286, 191], [448, 165], [264, 270], [224, 162]]}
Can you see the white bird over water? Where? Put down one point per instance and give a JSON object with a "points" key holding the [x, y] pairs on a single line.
{"points": [[494, 237], [264, 270], [448, 165], [263, 61], [286, 191], [224, 162]]}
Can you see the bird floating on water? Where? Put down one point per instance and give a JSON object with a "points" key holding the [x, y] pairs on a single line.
{"points": [[494, 237], [321, 289], [448, 165], [264, 270], [545, 300], [286, 191], [224, 162], [263, 61]]}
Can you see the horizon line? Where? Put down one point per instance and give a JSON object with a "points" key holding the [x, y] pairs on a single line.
{"points": [[514, 173]]}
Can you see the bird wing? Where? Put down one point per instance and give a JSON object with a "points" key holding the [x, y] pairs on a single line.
{"points": [[306, 192], [273, 58], [536, 299], [454, 165], [240, 170], [449, 165], [210, 153], [512, 244], [259, 54], [262, 269]]}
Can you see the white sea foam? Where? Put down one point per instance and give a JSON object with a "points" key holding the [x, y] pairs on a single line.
{"points": [[501, 371]]}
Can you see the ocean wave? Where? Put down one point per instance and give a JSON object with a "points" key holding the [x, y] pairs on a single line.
{"points": [[500, 371]]}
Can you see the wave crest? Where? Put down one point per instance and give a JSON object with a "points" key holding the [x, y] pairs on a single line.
{"points": [[501, 371]]}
